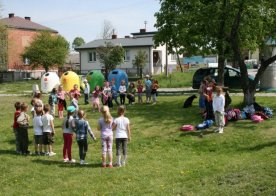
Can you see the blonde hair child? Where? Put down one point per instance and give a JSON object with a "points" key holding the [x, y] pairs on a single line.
{"points": [[105, 126]]}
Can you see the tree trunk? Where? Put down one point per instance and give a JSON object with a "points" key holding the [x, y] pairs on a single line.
{"points": [[221, 43], [178, 60], [46, 68], [249, 96], [248, 89], [221, 65]]}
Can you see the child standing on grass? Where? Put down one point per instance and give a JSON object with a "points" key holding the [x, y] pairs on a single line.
{"points": [[48, 131], [38, 129], [114, 92], [86, 91], [23, 125], [201, 92], [123, 135], [53, 101], [140, 91], [95, 99], [15, 125], [148, 84], [81, 127], [105, 126], [209, 100], [61, 94], [75, 92], [154, 88], [68, 135], [218, 107], [107, 97]]}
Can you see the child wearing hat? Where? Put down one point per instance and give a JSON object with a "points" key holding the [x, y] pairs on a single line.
{"points": [[68, 135], [86, 91]]}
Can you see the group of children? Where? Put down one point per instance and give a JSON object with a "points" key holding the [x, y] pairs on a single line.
{"points": [[109, 93], [42, 124], [212, 106], [75, 122]]}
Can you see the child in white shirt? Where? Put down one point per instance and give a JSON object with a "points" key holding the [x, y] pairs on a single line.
{"points": [[218, 108], [123, 135], [48, 131], [38, 129]]}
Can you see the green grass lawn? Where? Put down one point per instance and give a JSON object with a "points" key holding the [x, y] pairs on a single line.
{"points": [[162, 160], [176, 79]]}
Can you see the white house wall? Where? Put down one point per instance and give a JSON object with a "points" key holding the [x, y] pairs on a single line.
{"points": [[87, 66]]}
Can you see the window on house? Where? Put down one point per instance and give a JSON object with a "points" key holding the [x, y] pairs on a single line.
{"points": [[173, 57], [127, 55], [92, 56], [26, 61]]}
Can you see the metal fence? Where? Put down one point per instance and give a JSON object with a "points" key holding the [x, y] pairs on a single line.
{"points": [[12, 76]]}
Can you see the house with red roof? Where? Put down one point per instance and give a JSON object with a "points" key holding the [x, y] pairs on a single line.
{"points": [[20, 33]]}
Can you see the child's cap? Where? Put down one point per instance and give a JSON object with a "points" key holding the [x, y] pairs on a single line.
{"points": [[71, 108]]}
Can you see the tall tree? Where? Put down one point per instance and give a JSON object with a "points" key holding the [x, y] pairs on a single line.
{"points": [[108, 30], [46, 50], [78, 41], [110, 56], [140, 60], [223, 27], [254, 24], [3, 47]]}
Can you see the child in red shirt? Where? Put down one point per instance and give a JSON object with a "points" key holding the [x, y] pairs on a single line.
{"points": [[15, 125]]}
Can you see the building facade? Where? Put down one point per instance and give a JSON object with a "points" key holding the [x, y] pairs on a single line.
{"points": [[20, 33], [156, 56]]}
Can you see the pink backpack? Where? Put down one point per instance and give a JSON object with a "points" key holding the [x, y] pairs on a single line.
{"points": [[187, 128], [256, 118]]}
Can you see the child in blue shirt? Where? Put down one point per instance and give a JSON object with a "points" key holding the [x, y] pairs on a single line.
{"points": [[81, 128]]}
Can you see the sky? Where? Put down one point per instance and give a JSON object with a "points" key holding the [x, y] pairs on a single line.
{"points": [[85, 18]]}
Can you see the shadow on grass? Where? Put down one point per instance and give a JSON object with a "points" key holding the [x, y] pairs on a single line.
{"points": [[197, 133], [10, 152], [260, 146], [67, 165]]}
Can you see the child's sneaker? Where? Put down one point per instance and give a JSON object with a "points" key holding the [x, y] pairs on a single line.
{"points": [[118, 165], [52, 154], [46, 153], [65, 160], [103, 165], [220, 130], [110, 165], [82, 162], [72, 161], [123, 163]]}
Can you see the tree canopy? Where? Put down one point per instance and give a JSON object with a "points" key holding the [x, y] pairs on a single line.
{"points": [[110, 56], [140, 59], [223, 27], [78, 41], [46, 50], [3, 47]]}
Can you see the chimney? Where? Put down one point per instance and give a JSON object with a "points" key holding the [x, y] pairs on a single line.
{"points": [[114, 36], [11, 15], [27, 18], [142, 30], [127, 36]]}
